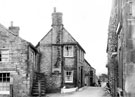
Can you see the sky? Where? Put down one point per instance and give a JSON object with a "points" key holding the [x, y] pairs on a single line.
{"points": [[86, 20]]}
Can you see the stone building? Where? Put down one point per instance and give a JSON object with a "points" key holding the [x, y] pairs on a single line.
{"points": [[87, 69], [121, 49], [103, 77], [18, 61], [112, 47], [93, 77], [90, 77], [62, 57]]}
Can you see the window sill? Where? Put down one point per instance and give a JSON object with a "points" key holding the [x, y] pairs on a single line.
{"points": [[68, 81], [5, 92], [69, 56]]}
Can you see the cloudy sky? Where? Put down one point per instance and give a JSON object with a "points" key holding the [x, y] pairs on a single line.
{"points": [[86, 20]]}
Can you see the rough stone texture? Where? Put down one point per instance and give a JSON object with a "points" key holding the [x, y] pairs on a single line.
{"points": [[112, 48], [51, 49], [87, 69], [125, 46], [128, 30], [20, 66]]}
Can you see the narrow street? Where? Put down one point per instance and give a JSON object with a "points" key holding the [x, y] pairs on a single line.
{"points": [[85, 92]]}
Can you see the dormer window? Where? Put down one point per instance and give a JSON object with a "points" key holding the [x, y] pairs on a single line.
{"points": [[4, 55], [68, 51]]}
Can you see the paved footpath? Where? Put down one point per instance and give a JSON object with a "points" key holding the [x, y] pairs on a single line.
{"points": [[85, 92]]}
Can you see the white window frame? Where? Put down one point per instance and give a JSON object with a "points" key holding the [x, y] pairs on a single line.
{"points": [[69, 76], [4, 84], [68, 52], [4, 55]]}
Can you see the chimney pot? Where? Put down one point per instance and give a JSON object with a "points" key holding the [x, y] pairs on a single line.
{"points": [[14, 29], [56, 18]]}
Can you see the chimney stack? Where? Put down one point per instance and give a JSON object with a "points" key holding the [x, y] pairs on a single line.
{"points": [[14, 29], [56, 18]]}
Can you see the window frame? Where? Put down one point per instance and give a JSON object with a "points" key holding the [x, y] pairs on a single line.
{"points": [[5, 77], [5, 85], [4, 55], [69, 76], [69, 52]]}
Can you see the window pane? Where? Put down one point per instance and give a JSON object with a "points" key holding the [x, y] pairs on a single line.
{"points": [[4, 79], [8, 74], [8, 79], [67, 73], [4, 75]]}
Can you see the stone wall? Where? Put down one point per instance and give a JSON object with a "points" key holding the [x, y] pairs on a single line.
{"points": [[48, 59], [129, 69], [124, 15], [112, 47], [53, 63], [87, 69], [18, 65]]}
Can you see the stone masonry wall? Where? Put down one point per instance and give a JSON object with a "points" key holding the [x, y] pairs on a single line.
{"points": [[53, 82], [52, 59], [18, 63]]}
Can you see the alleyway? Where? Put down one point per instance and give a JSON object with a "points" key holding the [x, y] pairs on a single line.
{"points": [[85, 92]]}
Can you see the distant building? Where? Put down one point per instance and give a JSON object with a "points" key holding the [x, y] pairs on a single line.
{"points": [[87, 68], [103, 78], [121, 48], [90, 77], [62, 57], [93, 77], [18, 61]]}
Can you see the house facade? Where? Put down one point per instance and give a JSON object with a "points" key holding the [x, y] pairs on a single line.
{"points": [[18, 61], [90, 77], [93, 77], [87, 69], [62, 57], [121, 49]]}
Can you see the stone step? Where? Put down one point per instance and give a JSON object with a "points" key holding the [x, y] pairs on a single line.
{"points": [[35, 88], [37, 94], [36, 84], [42, 88]]}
